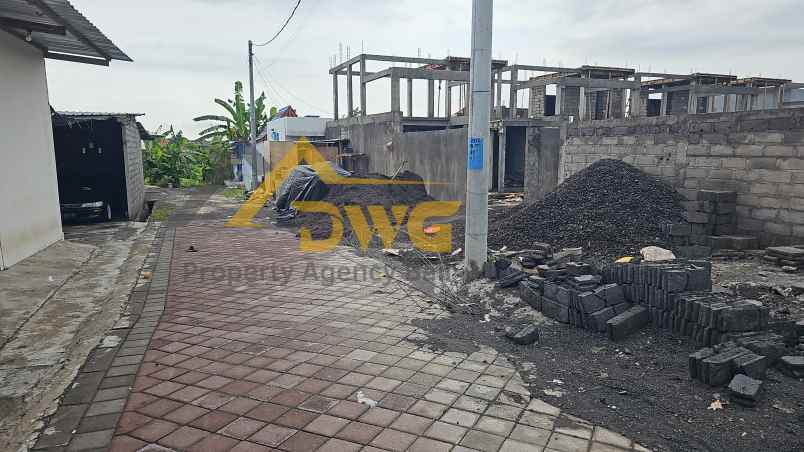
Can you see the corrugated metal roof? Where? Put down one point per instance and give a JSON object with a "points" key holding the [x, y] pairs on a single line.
{"points": [[59, 30], [96, 113]]}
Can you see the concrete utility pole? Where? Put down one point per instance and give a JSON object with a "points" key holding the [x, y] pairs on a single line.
{"points": [[477, 167], [253, 117]]}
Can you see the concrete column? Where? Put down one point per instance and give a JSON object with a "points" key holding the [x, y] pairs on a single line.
{"points": [[727, 107], [692, 100], [512, 94], [503, 144], [430, 98], [582, 104], [710, 104], [447, 100], [623, 103], [559, 99], [410, 97], [663, 107], [349, 94], [636, 99], [395, 103], [780, 97], [335, 96], [362, 85]]}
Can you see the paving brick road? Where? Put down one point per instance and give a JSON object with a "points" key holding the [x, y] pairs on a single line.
{"points": [[254, 353]]}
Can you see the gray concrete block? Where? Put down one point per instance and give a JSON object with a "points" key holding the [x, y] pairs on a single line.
{"points": [[694, 361], [719, 369], [589, 302], [792, 366], [752, 365], [524, 336], [598, 319], [628, 322], [745, 390], [555, 310]]}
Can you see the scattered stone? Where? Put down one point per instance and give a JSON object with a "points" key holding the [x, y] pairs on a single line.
{"points": [[789, 269], [745, 390], [524, 336]]}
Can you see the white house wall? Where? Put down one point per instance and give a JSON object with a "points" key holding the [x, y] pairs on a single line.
{"points": [[29, 193]]}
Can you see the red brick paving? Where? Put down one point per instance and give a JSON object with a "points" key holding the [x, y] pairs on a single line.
{"points": [[264, 363]]}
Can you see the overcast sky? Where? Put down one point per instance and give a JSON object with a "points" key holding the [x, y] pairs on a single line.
{"points": [[187, 52]]}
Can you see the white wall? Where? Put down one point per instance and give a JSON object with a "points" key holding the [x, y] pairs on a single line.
{"points": [[29, 193], [293, 128]]}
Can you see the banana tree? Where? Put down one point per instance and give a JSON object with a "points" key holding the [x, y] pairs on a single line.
{"points": [[235, 125]]}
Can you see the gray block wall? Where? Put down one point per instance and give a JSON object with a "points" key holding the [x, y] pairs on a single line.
{"points": [[760, 155], [437, 156], [135, 177]]}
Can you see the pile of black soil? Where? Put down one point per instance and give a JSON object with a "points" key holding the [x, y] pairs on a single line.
{"points": [[609, 208], [409, 193]]}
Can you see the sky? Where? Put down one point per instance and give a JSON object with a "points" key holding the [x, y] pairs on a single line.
{"points": [[188, 52]]}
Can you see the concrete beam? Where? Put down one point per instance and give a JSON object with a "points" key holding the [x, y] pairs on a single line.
{"points": [[588, 83], [525, 67], [663, 75], [430, 74], [386, 58], [377, 75]]}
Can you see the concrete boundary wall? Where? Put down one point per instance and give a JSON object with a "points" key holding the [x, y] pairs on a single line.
{"points": [[760, 155], [437, 156]]}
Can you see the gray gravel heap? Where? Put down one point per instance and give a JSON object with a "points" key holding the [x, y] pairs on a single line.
{"points": [[610, 208]]}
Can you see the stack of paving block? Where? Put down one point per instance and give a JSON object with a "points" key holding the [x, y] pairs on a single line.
{"points": [[785, 256], [583, 302], [711, 222], [749, 354], [707, 318], [653, 284]]}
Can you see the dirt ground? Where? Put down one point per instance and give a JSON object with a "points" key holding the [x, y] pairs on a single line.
{"points": [[639, 386]]}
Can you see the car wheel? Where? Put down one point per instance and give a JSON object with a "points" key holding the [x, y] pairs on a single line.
{"points": [[108, 212]]}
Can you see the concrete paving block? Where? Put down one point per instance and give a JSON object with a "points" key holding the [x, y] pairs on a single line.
{"points": [[719, 369], [628, 322], [590, 302], [792, 366], [745, 390], [752, 365]]}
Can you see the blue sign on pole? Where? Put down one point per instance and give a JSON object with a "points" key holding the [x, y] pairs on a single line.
{"points": [[476, 160]]}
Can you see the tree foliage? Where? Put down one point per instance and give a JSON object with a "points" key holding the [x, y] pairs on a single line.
{"points": [[235, 124], [173, 159]]}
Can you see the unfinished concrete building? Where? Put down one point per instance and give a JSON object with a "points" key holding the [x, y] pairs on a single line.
{"points": [[533, 107]]}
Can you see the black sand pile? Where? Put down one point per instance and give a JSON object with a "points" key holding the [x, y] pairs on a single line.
{"points": [[609, 208]]}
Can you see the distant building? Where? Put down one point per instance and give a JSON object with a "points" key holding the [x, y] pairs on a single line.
{"points": [[292, 128]]}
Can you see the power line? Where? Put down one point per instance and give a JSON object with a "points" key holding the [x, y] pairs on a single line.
{"points": [[283, 26], [286, 90], [292, 40]]}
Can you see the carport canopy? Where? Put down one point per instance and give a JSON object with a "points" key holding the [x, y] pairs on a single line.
{"points": [[59, 30]]}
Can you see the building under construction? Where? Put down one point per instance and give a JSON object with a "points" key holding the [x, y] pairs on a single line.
{"points": [[425, 130]]}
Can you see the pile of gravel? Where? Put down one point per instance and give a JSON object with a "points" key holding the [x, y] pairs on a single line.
{"points": [[609, 208]]}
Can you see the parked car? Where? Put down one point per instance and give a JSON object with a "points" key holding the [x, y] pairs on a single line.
{"points": [[85, 206]]}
